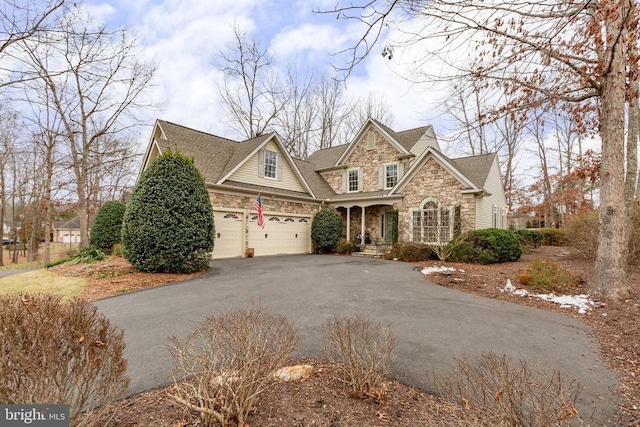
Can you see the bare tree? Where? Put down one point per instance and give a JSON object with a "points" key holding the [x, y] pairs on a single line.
{"points": [[8, 136], [369, 106], [252, 95], [94, 84], [21, 20], [543, 52], [297, 121], [330, 104], [466, 106]]}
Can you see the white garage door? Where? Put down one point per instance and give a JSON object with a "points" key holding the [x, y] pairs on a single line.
{"points": [[281, 235], [229, 240]]}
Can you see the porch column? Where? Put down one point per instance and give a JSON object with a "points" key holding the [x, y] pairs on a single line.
{"points": [[362, 232], [348, 224]]}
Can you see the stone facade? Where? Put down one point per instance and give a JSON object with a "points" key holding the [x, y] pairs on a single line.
{"points": [[229, 201], [433, 181], [369, 160], [334, 179]]}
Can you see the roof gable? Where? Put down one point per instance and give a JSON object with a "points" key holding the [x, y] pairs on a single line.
{"points": [[247, 166], [384, 132], [217, 158], [443, 161]]}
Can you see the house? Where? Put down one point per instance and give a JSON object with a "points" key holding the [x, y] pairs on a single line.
{"points": [[66, 231], [366, 180]]}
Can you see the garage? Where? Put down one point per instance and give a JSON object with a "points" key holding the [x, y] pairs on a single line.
{"points": [[229, 240], [282, 234]]}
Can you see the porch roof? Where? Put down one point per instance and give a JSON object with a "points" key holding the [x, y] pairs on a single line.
{"points": [[363, 199]]}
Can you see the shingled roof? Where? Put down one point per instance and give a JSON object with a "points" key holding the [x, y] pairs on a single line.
{"points": [[216, 157], [475, 168], [211, 153], [327, 157]]}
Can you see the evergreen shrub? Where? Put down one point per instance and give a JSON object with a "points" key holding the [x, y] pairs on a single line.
{"points": [[106, 230], [168, 226], [491, 245], [326, 230]]}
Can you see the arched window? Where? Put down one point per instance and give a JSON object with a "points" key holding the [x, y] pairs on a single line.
{"points": [[431, 223]]}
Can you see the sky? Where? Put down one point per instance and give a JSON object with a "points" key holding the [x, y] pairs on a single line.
{"points": [[182, 37]]}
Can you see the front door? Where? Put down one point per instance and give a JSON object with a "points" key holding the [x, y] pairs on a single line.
{"points": [[387, 226]]}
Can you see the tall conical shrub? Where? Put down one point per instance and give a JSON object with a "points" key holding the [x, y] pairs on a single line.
{"points": [[168, 226]]}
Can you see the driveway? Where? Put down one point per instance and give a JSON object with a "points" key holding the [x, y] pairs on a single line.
{"points": [[432, 324]]}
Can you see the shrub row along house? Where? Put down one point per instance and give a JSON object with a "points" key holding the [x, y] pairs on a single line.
{"points": [[366, 180]]}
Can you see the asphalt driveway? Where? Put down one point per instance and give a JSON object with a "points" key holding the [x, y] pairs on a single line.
{"points": [[432, 324]]}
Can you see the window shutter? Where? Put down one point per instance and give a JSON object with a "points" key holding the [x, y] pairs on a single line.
{"points": [[344, 181], [400, 170], [261, 163], [381, 176], [279, 166], [360, 179]]}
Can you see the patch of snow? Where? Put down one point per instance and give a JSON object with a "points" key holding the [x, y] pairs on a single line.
{"points": [[441, 269], [582, 302], [521, 292]]}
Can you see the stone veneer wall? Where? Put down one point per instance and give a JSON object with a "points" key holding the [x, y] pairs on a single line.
{"points": [[433, 181], [334, 179], [229, 201], [369, 161]]}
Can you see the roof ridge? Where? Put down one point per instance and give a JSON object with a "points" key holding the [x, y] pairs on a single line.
{"points": [[412, 129], [200, 131], [493, 153]]}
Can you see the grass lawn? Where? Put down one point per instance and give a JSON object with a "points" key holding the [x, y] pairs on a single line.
{"points": [[27, 266], [37, 281]]}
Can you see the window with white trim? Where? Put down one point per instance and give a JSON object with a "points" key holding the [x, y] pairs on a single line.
{"points": [[390, 175], [431, 223], [270, 164], [353, 180]]}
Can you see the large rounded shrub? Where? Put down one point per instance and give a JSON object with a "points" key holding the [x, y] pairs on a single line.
{"points": [[487, 246], [326, 230], [106, 230], [168, 226]]}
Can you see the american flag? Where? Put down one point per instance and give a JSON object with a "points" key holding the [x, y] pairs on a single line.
{"points": [[257, 205]]}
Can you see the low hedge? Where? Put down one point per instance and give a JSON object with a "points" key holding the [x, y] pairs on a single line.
{"points": [[530, 238], [412, 252], [553, 236], [487, 246]]}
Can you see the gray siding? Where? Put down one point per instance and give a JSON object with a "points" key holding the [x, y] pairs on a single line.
{"points": [[497, 199]]}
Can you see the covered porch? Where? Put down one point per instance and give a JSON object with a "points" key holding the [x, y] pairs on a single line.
{"points": [[367, 222]]}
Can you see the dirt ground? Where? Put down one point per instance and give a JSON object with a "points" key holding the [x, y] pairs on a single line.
{"points": [[322, 401]]}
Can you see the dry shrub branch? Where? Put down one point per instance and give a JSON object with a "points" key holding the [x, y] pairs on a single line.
{"points": [[227, 361], [59, 352], [363, 352], [500, 393]]}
